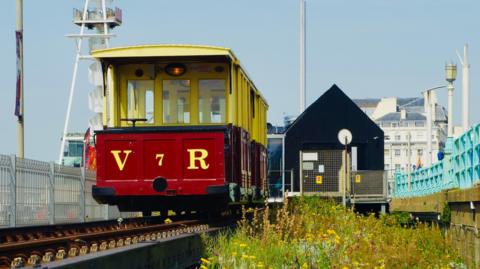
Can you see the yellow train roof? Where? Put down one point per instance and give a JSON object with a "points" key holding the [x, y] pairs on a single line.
{"points": [[163, 50]]}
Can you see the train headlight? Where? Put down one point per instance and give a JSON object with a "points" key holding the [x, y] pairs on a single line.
{"points": [[175, 69]]}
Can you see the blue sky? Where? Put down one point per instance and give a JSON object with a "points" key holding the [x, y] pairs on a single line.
{"points": [[369, 48]]}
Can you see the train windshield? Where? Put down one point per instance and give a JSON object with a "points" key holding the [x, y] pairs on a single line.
{"points": [[140, 100], [176, 101], [211, 101]]}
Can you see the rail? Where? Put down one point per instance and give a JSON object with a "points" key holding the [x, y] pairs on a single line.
{"points": [[36, 246]]}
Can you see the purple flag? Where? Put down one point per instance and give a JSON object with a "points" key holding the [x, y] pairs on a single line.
{"points": [[19, 38]]}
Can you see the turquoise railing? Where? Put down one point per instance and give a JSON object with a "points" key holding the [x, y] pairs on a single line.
{"points": [[459, 169]]}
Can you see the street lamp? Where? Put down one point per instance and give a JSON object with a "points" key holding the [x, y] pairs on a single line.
{"points": [[450, 75], [428, 111]]}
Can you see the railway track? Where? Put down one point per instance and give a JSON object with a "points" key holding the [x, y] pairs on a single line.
{"points": [[34, 246]]}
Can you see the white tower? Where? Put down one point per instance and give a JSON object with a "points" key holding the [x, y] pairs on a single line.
{"points": [[465, 88], [95, 21]]}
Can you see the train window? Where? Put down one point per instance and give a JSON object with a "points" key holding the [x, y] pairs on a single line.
{"points": [[176, 101], [211, 101], [140, 100]]}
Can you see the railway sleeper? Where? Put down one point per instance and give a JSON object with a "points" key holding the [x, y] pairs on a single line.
{"points": [[84, 247], [93, 247], [61, 254], [103, 245], [83, 250], [73, 251], [47, 256], [18, 262], [34, 259]]}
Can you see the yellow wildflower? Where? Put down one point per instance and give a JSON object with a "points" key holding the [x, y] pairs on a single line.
{"points": [[205, 261], [331, 232], [203, 267], [305, 265], [243, 245]]}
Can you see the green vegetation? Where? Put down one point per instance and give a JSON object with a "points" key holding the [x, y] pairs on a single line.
{"points": [[314, 233], [446, 216]]}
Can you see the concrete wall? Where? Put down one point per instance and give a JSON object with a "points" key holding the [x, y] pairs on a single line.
{"points": [[464, 205]]}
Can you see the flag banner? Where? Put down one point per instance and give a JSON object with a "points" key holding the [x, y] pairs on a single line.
{"points": [[86, 145], [19, 39], [89, 153], [118, 14]]}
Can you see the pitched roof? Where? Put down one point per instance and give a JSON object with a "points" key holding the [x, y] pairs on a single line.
{"points": [[396, 116], [333, 111]]}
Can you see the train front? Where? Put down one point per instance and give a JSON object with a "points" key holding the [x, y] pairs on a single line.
{"points": [[165, 126]]}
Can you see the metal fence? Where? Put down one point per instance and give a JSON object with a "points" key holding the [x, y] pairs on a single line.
{"points": [[369, 183], [35, 193], [322, 173]]}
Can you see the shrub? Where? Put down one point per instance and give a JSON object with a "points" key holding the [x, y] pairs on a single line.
{"points": [[314, 233]]}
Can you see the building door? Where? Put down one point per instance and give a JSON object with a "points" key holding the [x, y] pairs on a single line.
{"points": [[320, 171]]}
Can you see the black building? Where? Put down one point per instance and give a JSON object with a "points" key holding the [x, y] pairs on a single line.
{"points": [[313, 152]]}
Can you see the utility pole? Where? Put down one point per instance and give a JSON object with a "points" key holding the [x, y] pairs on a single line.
{"points": [[428, 112], [302, 55], [19, 90], [465, 88], [450, 75]]}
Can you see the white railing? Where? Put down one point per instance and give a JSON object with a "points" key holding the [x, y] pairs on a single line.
{"points": [[37, 193]]}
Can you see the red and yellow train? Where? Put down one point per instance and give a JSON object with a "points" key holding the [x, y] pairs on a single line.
{"points": [[184, 129]]}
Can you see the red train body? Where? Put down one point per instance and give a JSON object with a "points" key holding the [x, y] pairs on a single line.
{"points": [[187, 168]]}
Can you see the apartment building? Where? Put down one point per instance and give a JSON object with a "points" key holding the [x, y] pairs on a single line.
{"points": [[403, 121]]}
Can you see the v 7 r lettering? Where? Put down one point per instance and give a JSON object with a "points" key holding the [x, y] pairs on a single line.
{"points": [[116, 155]]}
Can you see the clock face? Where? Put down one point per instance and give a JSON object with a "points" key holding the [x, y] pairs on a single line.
{"points": [[345, 137]]}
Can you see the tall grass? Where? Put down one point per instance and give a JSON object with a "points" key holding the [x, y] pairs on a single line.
{"points": [[315, 233]]}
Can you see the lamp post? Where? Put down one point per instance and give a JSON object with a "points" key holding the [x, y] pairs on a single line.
{"points": [[345, 138], [302, 55], [428, 111], [450, 75]]}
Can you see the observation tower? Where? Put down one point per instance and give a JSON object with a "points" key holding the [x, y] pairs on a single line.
{"points": [[96, 21]]}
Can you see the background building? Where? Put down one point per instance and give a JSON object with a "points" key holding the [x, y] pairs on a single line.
{"points": [[307, 156], [403, 121], [73, 151]]}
